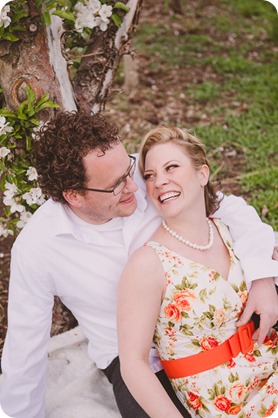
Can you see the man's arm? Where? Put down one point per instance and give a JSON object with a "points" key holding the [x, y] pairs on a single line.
{"points": [[262, 290], [254, 240], [253, 244], [25, 351]]}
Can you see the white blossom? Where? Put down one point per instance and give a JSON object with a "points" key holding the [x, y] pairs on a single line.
{"points": [[5, 20], [4, 151], [17, 207], [93, 6], [13, 204], [10, 189], [4, 128], [79, 7], [92, 14], [105, 12], [90, 8], [34, 196], [85, 21], [32, 174], [4, 232], [24, 218], [8, 200], [37, 128], [102, 24]]}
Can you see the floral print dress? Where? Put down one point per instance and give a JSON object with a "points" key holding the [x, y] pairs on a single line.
{"points": [[199, 311]]}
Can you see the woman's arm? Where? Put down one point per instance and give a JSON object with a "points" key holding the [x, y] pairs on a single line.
{"points": [[140, 293]]}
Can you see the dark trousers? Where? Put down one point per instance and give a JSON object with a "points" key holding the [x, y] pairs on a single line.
{"points": [[127, 405]]}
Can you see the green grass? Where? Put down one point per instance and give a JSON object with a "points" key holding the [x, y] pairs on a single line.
{"points": [[239, 44], [205, 92]]}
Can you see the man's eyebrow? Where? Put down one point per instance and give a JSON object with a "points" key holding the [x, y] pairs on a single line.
{"points": [[116, 182]]}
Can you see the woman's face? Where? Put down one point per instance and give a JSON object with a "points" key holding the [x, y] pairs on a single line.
{"points": [[173, 184]]}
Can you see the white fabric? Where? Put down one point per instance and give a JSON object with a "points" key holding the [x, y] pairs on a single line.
{"points": [[55, 255], [75, 387], [255, 254]]}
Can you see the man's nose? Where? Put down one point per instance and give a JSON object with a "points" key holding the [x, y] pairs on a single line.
{"points": [[130, 186]]}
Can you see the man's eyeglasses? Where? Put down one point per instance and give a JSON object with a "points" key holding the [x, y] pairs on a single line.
{"points": [[121, 183]]}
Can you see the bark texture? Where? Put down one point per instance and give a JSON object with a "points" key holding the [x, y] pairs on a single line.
{"points": [[26, 62], [97, 70], [38, 60]]}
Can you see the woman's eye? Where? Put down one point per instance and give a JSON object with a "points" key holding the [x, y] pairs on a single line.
{"points": [[147, 176], [171, 167]]}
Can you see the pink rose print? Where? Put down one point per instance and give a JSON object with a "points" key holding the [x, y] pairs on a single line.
{"points": [[234, 410], [194, 401], [231, 364], [219, 316], [172, 312], [170, 332], [270, 410], [207, 343], [222, 403], [250, 357], [237, 392], [183, 299]]}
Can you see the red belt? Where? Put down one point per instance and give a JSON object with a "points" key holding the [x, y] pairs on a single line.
{"points": [[241, 341]]}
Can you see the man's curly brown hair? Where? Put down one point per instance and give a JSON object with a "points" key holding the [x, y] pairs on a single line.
{"points": [[61, 145]]}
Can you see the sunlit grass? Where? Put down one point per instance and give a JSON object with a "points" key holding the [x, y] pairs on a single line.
{"points": [[234, 53]]}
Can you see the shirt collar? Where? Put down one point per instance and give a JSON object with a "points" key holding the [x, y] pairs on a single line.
{"points": [[65, 226], [62, 222]]}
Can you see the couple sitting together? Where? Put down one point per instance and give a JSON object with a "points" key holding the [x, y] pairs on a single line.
{"points": [[162, 272]]}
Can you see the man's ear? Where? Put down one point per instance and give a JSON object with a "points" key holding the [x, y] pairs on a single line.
{"points": [[72, 197], [204, 175]]}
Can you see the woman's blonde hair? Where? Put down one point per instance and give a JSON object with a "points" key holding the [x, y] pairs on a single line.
{"points": [[191, 146]]}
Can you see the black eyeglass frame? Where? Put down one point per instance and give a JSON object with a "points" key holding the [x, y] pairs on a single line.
{"points": [[122, 179]]}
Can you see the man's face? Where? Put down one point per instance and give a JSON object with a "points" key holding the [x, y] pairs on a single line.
{"points": [[104, 171]]}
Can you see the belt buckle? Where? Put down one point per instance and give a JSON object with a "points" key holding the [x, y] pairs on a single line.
{"points": [[245, 337]]}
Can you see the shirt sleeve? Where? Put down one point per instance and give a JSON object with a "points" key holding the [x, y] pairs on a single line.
{"points": [[254, 240], [24, 359]]}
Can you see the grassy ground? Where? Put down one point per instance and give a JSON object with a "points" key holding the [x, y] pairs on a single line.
{"points": [[213, 70]]}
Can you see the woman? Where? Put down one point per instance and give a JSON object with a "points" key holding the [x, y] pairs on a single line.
{"points": [[185, 290]]}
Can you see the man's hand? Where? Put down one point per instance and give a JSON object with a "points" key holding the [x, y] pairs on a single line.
{"points": [[262, 300]]}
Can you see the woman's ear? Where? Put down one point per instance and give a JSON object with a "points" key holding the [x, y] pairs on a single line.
{"points": [[72, 197], [204, 175]]}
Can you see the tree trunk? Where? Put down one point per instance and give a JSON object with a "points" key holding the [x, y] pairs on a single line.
{"points": [[97, 70], [26, 62], [37, 60]]}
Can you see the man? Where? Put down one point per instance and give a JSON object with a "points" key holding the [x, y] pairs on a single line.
{"points": [[76, 245]]}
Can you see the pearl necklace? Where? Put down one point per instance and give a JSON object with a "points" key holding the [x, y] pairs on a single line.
{"points": [[189, 243]]}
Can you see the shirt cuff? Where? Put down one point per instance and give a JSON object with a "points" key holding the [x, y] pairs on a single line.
{"points": [[255, 269]]}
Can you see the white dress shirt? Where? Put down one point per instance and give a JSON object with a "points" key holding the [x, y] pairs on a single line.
{"points": [[59, 254]]}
